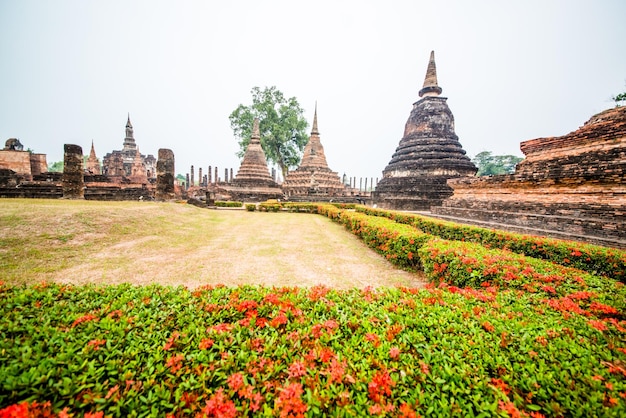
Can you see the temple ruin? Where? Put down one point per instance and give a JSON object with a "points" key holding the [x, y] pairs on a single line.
{"points": [[569, 187], [253, 182], [428, 155], [313, 179], [124, 162]]}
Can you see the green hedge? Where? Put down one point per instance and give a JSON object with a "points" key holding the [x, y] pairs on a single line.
{"points": [[228, 204], [397, 242], [591, 258]]}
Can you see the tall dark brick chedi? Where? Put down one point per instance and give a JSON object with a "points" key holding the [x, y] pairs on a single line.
{"points": [[428, 155]]}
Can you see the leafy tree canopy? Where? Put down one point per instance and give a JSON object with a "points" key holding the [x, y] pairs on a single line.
{"points": [[281, 124], [55, 167], [489, 164]]}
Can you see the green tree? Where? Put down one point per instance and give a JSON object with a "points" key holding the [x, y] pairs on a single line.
{"points": [[55, 167], [281, 124], [489, 164], [619, 99]]}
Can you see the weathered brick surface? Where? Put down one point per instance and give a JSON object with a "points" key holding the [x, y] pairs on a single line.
{"points": [[574, 185], [165, 175], [73, 181], [18, 161]]}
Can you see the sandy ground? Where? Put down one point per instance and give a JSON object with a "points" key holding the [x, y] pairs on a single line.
{"points": [[223, 246]]}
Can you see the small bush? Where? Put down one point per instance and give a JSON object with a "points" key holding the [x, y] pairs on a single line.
{"points": [[228, 204], [250, 207], [270, 205]]}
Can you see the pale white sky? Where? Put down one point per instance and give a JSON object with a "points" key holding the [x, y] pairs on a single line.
{"points": [[70, 71]]}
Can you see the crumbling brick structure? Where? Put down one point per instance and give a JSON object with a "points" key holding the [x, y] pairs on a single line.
{"points": [[572, 187]]}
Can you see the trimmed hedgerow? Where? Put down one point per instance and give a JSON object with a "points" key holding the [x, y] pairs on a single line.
{"points": [[591, 258], [397, 242], [228, 204]]}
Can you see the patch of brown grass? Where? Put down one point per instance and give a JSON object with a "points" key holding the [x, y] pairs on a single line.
{"points": [[177, 244]]}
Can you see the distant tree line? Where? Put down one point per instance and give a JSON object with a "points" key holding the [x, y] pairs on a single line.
{"points": [[491, 165]]}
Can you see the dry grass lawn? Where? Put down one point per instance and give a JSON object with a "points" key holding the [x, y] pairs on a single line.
{"points": [[177, 244]]}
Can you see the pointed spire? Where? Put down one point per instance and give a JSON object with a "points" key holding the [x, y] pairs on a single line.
{"points": [[256, 132], [128, 124], [314, 130], [92, 154], [430, 88]]}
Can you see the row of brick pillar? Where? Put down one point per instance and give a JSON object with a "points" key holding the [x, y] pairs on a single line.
{"points": [[207, 179], [364, 186]]}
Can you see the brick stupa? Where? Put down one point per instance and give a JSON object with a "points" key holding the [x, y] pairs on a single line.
{"points": [[428, 155], [313, 180], [253, 182]]}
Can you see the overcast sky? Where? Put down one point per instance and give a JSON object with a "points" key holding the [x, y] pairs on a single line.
{"points": [[71, 71]]}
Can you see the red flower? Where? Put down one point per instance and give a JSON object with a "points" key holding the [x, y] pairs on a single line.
{"points": [[394, 352], [174, 363], [297, 369], [95, 344], [424, 367], [488, 327], [206, 343], [246, 305], [599, 325], [280, 319], [219, 328], [509, 408], [219, 406], [601, 308], [373, 338], [500, 385], [336, 370], [289, 403], [407, 412], [235, 381], [380, 386], [84, 318], [170, 342]]}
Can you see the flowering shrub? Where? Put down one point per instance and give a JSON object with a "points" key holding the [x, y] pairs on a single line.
{"points": [[465, 264], [397, 242], [247, 351], [588, 257]]}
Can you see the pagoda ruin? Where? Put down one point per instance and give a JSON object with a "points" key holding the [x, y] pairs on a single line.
{"points": [[428, 155], [253, 182], [313, 179]]}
